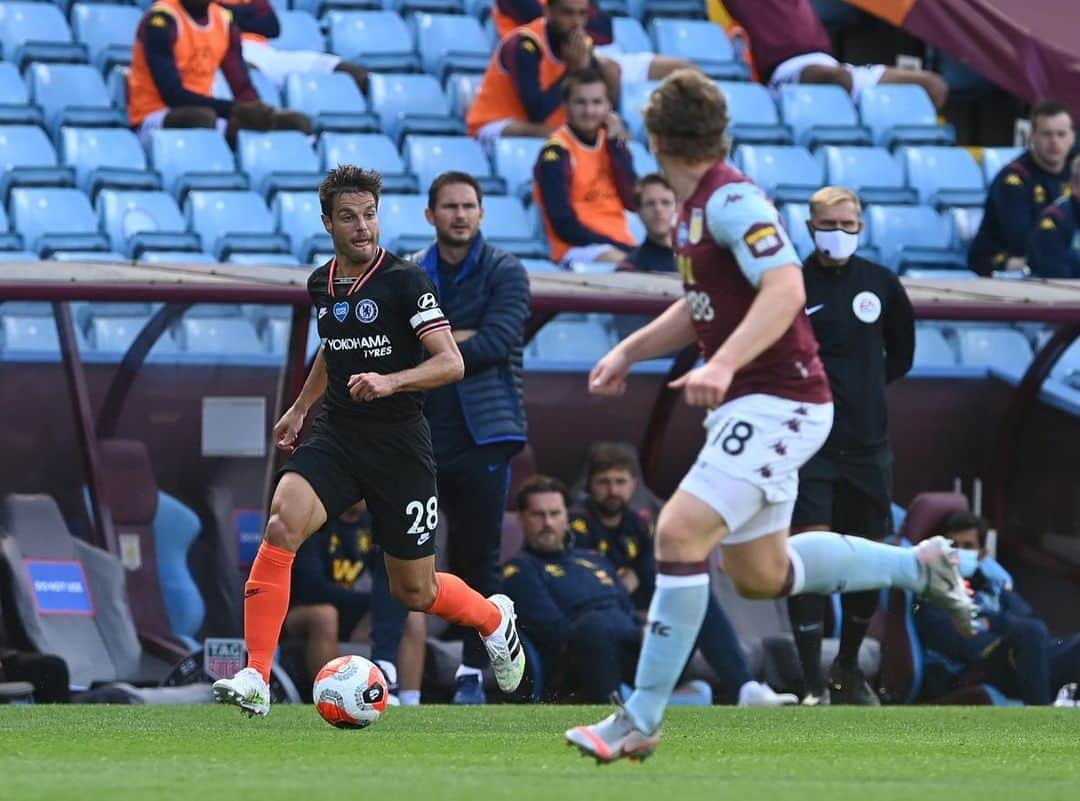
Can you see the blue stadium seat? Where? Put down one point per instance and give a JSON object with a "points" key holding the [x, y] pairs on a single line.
{"points": [[933, 274], [299, 31], [632, 101], [333, 101], [17, 255], [267, 259], [901, 113], [785, 174], [219, 336], [106, 157], [753, 114], [107, 31], [645, 10], [872, 173], [406, 7], [541, 266], [571, 341], [319, 8], [177, 257], [278, 161], [228, 222], [112, 327], [29, 330], [36, 32], [403, 228], [450, 43], [965, 221], [88, 255], [821, 114], [379, 40], [55, 219], [637, 227], [373, 150], [9, 241], [630, 36], [299, 217], [461, 89], [194, 158], [995, 158], [73, 94], [429, 156], [506, 225], [644, 161], [1067, 368], [117, 85], [27, 158], [137, 221], [700, 41], [264, 87], [932, 349], [1004, 348], [15, 105], [515, 157], [912, 236], [395, 98], [943, 176]]}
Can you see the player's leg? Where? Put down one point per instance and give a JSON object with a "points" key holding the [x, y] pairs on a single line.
{"points": [[411, 655], [317, 625], [934, 84], [593, 657], [388, 618]]}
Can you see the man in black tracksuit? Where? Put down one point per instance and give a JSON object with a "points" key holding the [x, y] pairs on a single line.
{"points": [[477, 424], [865, 327]]}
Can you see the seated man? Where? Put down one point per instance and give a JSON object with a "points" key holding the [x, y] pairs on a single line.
{"points": [[788, 44], [325, 609], [1054, 247], [1013, 650], [605, 523], [584, 177], [179, 46], [1023, 189], [258, 23], [656, 208]]}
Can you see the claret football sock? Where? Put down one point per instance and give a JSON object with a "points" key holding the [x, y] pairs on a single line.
{"points": [[457, 602], [266, 601]]}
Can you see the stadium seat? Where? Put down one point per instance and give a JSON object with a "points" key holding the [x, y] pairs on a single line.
{"points": [[943, 176], [219, 336], [1067, 368], [299, 31], [29, 329], [407, 7], [570, 341], [8, 241], [637, 227], [515, 157], [137, 221], [506, 225], [429, 156], [113, 329], [15, 105], [994, 160], [55, 219], [821, 114], [461, 89], [379, 40], [175, 528], [629, 35], [1000, 347], [27, 158], [107, 31], [268, 259], [333, 101], [177, 257], [644, 161], [700, 41], [278, 161], [73, 94], [632, 101], [965, 221], [319, 8], [912, 236], [932, 349], [299, 217], [394, 97], [36, 32], [373, 150], [17, 255], [194, 158], [88, 255], [932, 274], [785, 174], [871, 172], [541, 266], [106, 157], [264, 87], [450, 43], [901, 113], [753, 114], [233, 221], [403, 228]]}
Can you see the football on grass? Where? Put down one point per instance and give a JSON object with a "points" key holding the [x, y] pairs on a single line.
{"points": [[350, 692]]}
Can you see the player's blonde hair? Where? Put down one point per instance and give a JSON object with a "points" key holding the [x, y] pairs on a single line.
{"points": [[829, 196], [687, 115]]}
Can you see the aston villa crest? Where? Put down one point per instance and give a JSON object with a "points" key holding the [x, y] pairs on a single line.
{"points": [[697, 225]]}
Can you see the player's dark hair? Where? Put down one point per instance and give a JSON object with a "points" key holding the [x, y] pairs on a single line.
{"points": [[606, 456], [539, 484], [346, 179], [1049, 108], [651, 179], [687, 114], [963, 521], [453, 177], [582, 77]]}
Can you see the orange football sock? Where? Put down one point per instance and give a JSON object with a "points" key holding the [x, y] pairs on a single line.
{"points": [[457, 602], [266, 601]]}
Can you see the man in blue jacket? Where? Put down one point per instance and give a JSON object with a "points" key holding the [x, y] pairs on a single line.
{"points": [[1054, 246], [477, 424]]}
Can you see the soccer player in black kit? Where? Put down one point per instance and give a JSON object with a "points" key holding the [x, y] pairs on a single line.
{"points": [[377, 314]]}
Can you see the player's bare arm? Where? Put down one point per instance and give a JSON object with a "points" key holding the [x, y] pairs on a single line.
{"points": [[670, 331], [287, 429], [443, 366]]}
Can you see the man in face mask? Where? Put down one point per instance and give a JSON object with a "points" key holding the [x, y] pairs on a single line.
{"points": [[865, 329]]}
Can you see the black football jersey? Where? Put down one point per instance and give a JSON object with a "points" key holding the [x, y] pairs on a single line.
{"points": [[374, 324]]}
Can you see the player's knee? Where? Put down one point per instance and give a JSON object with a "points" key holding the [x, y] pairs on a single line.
{"points": [[323, 622], [590, 628], [936, 87], [760, 581], [819, 73], [281, 534], [415, 593], [190, 117]]}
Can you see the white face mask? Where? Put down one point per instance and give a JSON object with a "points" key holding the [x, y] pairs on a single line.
{"points": [[969, 561], [836, 244]]}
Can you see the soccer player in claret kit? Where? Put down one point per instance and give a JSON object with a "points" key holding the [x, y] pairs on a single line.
{"points": [[769, 411], [377, 314]]}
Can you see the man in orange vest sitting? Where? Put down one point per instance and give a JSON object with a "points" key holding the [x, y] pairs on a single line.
{"points": [[521, 92], [179, 46], [584, 177]]}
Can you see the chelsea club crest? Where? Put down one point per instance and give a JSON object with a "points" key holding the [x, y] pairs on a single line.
{"points": [[367, 310]]}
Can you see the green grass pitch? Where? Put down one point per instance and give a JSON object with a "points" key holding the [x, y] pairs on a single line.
{"points": [[207, 753]]}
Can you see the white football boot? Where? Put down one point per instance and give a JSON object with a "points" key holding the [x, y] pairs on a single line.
{"points": [[945, 586], [247, 690], [756, 693], [504, 647], [615, 737]]}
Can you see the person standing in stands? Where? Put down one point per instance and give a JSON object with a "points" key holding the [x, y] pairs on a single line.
{"points": [[865, 328], [179, 46], [1054, 248], [656, 208], [478, 423], [584, 177], [1023, 188]]}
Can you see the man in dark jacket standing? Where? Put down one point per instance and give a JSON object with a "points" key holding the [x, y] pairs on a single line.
{"points": [[865, 327], [477, 424]]}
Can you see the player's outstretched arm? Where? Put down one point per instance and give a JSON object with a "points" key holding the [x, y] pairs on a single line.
{"points": [[287, 429], [671, 331], [443, 366]]}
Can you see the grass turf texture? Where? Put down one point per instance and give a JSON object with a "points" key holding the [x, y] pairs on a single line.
{"points": [[126, 753]]}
